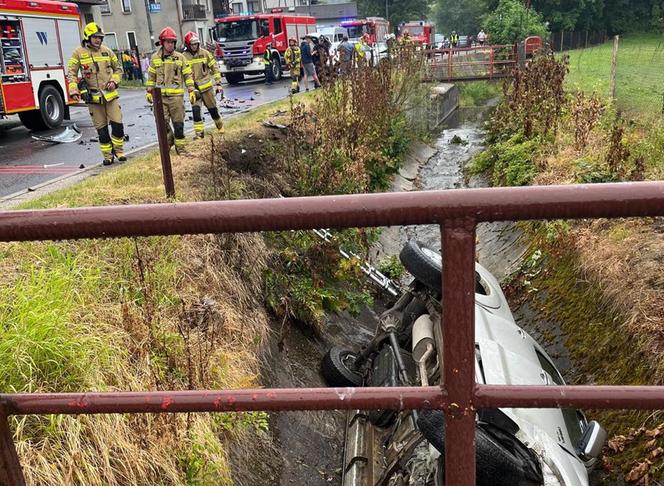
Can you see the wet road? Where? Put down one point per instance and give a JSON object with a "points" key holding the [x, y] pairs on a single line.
{"points": [[25, 163]]}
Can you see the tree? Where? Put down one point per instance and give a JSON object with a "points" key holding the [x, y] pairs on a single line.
{"points": [[399, 10], [463, 16], [511, 22]]}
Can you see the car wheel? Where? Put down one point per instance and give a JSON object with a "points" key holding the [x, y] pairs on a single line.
{"points": [[501, 460], [234, 78], [422, 263], [276, 68], [338, 368]]}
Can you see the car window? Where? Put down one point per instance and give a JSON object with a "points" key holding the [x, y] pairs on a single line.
{"points": [[573, 422]]}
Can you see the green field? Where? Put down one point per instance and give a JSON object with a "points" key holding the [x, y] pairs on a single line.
{"points": [[640, 72]]}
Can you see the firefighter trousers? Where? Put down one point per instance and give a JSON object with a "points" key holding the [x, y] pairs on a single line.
{"points": [[206, 98], [295, 78], [174, 112], [104, 114]]}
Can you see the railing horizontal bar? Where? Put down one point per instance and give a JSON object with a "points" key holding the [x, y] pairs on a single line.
{"points": [[581, 396], [494, 204], [394, 398], [240, 400]]}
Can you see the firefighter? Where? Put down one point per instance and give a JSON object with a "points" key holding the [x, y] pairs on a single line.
{"points": [[293, 58], [207, 81], [170, 71], [268, 61], [101, 74], [454, 39]]}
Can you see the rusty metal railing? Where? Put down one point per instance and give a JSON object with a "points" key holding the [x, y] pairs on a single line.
{"points": [[458, 213], [470, 64]]}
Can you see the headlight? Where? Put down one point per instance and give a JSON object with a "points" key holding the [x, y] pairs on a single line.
{"points": [[257, 59]]}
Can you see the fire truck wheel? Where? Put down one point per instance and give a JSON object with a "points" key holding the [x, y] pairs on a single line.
{"points": [[50, 113], [234, 78], [276, 68]]}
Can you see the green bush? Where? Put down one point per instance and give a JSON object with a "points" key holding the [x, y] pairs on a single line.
{"points": [[589, 172], [512, 22], [508, 163]]}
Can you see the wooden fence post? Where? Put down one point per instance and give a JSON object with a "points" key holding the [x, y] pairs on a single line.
{"points": [[614, 65]]}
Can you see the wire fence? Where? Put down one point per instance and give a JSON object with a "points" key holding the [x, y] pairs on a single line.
{"points": [[636, 82], [565, 41]]}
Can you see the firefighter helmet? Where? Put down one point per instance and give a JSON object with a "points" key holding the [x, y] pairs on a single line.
{"points": [[92, 30], [292, 39], [167, 33], [191, 38]]}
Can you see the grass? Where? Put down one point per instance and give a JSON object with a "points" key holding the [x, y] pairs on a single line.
{"points": [[478, 93], [116, 315], [639, 88]]}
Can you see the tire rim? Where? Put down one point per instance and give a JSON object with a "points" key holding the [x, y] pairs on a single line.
{"points": [[52, 108], [349, 362]]}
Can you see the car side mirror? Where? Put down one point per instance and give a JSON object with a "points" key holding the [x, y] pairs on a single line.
{"points": [[592, 441]]}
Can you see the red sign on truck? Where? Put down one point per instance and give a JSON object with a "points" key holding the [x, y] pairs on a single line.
{"points": [[242, 40], [36, 39]]}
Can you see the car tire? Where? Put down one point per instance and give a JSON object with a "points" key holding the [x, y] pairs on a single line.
{"points": [[51, 111], [497, 464], [277, 71], [336, 370], [234, 78], [422, 264]]}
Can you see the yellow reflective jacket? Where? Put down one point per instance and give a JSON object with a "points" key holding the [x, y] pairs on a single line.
{"points": [[170, 72], [293, 58], [97, 67], [203, 69]]}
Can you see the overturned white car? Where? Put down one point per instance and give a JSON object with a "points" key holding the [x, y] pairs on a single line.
{"points": [[555, 447]]}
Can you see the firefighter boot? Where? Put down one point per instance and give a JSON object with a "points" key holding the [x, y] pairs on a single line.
{"points": [[199, 128], [117, 139], [118, 149], [105, 145], [219, 123], [107, 153]]}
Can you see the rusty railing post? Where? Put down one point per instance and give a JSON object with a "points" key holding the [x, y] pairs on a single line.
{"points": [[164, 147], [11, 473], [458, 322]]}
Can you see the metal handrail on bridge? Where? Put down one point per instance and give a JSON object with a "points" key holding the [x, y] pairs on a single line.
{"points": [[470, 63], [457, 211]]}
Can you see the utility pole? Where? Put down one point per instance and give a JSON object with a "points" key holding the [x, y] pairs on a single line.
{"points": [[150, 32], [387, 9]]}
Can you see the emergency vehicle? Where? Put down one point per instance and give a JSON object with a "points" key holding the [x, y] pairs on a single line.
{"points": [[421, 32], [36, 40], [377, 29], [242, 40]]}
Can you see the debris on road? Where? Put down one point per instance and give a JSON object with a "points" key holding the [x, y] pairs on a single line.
{"points": [[69, 134], [271, 124]]}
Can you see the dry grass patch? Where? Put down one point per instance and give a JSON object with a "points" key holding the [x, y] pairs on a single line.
{"points": [[625, 258], [161, 313]]}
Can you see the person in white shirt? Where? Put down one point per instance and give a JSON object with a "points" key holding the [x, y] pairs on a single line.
{"points": [[481, 37]]}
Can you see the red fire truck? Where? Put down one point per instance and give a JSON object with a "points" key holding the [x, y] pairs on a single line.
{"points": [[242, 40], [421, 32], [36, 39], [377, 27]]}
